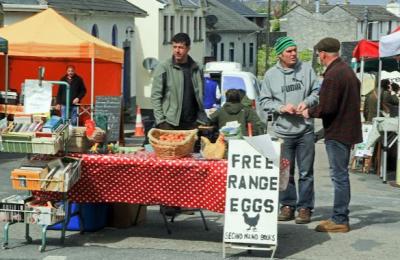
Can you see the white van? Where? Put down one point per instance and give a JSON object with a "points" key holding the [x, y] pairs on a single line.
{"points": [[230, 75]]}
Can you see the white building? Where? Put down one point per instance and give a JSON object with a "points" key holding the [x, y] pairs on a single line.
{"points": [[111, 21], [237, 36], [153, 36]]}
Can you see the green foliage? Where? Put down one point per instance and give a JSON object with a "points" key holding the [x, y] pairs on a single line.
{"points": [[305, 55], [275, 25]]}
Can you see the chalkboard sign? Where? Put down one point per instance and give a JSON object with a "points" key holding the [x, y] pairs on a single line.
{"points": [[111, 107]]}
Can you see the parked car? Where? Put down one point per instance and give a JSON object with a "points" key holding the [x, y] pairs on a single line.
{"points": [[229, 75]]}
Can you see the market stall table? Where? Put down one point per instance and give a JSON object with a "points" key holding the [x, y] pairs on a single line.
{"points": [[143, 179], [383, 125]]}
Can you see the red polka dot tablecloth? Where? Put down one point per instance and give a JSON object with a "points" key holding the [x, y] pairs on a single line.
{"points": [[144, 179]]}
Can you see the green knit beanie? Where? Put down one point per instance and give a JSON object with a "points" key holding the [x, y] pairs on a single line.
{"points": [[282, 43]]}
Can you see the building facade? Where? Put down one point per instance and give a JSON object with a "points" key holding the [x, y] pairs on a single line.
{"points": [[307, 24], [165, 19], [111, 22], [237, 37]]}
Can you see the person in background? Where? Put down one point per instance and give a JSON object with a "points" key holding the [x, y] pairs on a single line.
{"points": [[392, 100], [212, 95], [177, 94], [77, 92], [339, 108], [288, 88], [177, 91], [234, 110], [385, 94]]}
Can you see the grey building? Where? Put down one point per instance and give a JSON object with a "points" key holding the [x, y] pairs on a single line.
{"points": [[307, 24], [230, 36], [245, 11]]}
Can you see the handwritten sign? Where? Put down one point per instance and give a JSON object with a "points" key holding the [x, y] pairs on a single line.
{"points": [[37, 97], [110, 106], [251, 208]]}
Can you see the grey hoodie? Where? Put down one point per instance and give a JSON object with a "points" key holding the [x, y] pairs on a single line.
{"points": [[289, 85]]}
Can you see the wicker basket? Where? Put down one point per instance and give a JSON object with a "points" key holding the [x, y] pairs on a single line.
{"points": [[172, 150]]}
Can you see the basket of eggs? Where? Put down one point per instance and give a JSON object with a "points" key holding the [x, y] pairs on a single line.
{"points": [[172, 144]]}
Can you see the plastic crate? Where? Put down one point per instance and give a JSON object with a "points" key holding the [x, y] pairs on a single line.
{"points": [[43, 214], [45, 145], [12, 209]]}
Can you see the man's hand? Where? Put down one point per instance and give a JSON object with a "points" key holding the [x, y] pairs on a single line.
{"points": [[288, 108], [301, 107], [305, 114], [58, 107], [75, 101]]}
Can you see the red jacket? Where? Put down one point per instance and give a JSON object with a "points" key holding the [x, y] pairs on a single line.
{"points": [[339, 104]]}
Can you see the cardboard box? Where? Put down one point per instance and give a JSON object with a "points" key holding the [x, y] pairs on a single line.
{"points": [[123, 215], [27, 179]]}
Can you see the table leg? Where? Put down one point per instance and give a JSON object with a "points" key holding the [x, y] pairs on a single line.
{"points": [[42, 247], [385, 148]]}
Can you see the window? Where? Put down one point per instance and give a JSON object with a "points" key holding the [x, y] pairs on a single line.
{"points": [[231, 51], [200, 29], [381, 27], [251, 54], [181, 24], [172, 27], [215, 51], [370, 27], [188, 25], [114, 35], [244, 54], [195, 29], [222, 52], [165, 30], [95, 31], [390, 27]]}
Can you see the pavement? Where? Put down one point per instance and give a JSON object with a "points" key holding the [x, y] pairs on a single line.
{"points": [[375, 224]]}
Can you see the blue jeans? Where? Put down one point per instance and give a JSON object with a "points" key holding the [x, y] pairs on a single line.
{"points": [[339, 157], [302, 150], [73, 113]]}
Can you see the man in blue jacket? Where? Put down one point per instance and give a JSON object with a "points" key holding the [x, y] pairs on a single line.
{"points": [[288, 88]]}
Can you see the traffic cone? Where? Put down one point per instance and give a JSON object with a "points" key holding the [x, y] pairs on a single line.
{"points": [[139, 129]]}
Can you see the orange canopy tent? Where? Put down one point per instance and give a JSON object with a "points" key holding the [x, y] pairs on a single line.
{"points": [[49, 40]]}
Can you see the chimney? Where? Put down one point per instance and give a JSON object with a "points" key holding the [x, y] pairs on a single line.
{"points": [[317, 6]]}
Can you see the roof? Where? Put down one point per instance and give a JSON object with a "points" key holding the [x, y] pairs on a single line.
{"points": [[19, 2], [229, 20], [183, 3], [375, 12], [239, 8], [50, 35], [119, 6]]}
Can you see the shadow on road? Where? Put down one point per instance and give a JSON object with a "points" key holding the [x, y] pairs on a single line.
{"points": [[361, 216]]}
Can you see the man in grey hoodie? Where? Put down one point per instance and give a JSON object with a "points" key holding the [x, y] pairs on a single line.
{"points": [[288, 88]]}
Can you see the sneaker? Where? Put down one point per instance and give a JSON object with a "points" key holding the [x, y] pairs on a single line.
{"points": [[287, 213], [330, 226], [304, 216]]}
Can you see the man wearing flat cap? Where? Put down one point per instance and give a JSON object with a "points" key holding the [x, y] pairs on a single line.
{"points": [[289, 87], [339, 108]]}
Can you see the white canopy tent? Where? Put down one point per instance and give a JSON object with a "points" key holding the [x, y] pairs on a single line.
{"points": [[390, 47]]}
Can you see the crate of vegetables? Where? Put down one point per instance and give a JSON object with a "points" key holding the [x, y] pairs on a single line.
{"points": [[172, 144]]}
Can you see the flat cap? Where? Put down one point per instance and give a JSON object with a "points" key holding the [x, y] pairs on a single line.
{"points": [[328, 45]]}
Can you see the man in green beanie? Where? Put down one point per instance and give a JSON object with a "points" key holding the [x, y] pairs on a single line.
{"points": [[288, 88]]}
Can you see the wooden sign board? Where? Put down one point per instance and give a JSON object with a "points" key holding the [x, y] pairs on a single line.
{"points": [[110, 106], [252, 205], [251, 209]]}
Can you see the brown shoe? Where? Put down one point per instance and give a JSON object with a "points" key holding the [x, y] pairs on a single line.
{"points": [[330, 226], [287, 213], [304, 216]]}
